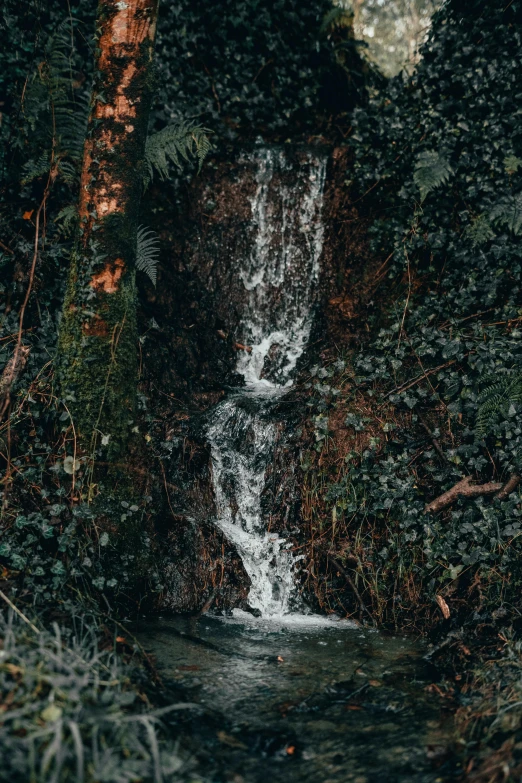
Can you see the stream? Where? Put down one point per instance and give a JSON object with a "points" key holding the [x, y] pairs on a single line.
{"points": [[306, 701], [301, 697]]}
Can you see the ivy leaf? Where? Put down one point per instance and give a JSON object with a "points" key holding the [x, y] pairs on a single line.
{"points": [[70, 465]]}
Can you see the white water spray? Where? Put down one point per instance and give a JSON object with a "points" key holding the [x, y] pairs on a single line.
{"points": [[279, 276]]}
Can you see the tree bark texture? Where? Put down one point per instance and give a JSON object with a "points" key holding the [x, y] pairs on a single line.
{"points": [[98, 332]]}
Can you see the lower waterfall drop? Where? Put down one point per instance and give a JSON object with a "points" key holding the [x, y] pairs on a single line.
{"points": [[279, 276]]}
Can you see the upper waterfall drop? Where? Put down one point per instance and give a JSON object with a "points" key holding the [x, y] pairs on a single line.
{"points": [[280, 275], [281, 272]]}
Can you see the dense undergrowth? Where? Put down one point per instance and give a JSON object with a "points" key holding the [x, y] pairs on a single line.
{"points": [[434, 396], [272, 69]]}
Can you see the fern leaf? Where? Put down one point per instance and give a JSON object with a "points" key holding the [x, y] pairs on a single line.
{"points": [[55, 112], [496, 399], [70, 111], [147, 253], [174, 144], [68, 171], [431, 171], [479, 231], [34, 169], [66, 220], [508, 212]]}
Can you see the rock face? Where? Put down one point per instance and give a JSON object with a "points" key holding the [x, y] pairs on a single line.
{"points": [[262, 234]]}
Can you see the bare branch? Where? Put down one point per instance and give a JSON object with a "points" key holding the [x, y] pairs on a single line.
{"points": [[463, 489], [509, 487]]}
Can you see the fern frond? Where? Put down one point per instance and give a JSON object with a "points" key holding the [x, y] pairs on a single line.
{"points": [[68, 171], [479, 231], [55, 112], [174, 144], [496, 399], [508, 212], [34, 169], [70, 111], [147, 253], [431, 170], [66, 220], [71, 126]]}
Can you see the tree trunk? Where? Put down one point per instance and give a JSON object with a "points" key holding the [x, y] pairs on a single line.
{"points": [[98, 332]]}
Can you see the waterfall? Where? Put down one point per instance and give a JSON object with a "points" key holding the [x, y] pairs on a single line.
{"points": [[279, 276]]}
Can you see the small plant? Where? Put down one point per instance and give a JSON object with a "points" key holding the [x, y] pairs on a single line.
{"points": [[172, 145], [499, 397], [431, 171], [147, 253]]}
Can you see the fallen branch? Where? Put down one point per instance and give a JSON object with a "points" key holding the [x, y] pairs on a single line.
{"points": [[18, 612], [208, 603], [509, 487], [465, 489], [408, 384], [443, 606], [7, 249]]}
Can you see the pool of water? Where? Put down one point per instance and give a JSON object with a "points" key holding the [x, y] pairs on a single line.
{"points": [[307, 701]]}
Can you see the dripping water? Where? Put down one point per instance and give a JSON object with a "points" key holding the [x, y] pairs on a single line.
{"points": [[279, 277]]}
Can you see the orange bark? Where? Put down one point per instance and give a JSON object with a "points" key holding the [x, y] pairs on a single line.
{"points": [[98, 332], [108, 279], [130, 24]]}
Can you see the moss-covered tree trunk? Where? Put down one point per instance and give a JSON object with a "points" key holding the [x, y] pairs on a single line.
{"points": [[98, 332]]}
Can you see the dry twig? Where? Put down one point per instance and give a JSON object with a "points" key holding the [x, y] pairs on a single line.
{"points": [[465, 489]]}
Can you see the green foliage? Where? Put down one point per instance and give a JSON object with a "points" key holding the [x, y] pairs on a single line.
{"points": [[450, 133], [175, 144], [246, 68], [431, 171], [67, 220], [512, 164], [508, 212], [74, 711], [499, 398], [55, 112], [147, 253], [479, 231]]}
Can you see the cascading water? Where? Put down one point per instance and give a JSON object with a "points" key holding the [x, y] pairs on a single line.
{"points": [[279, 276]]}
